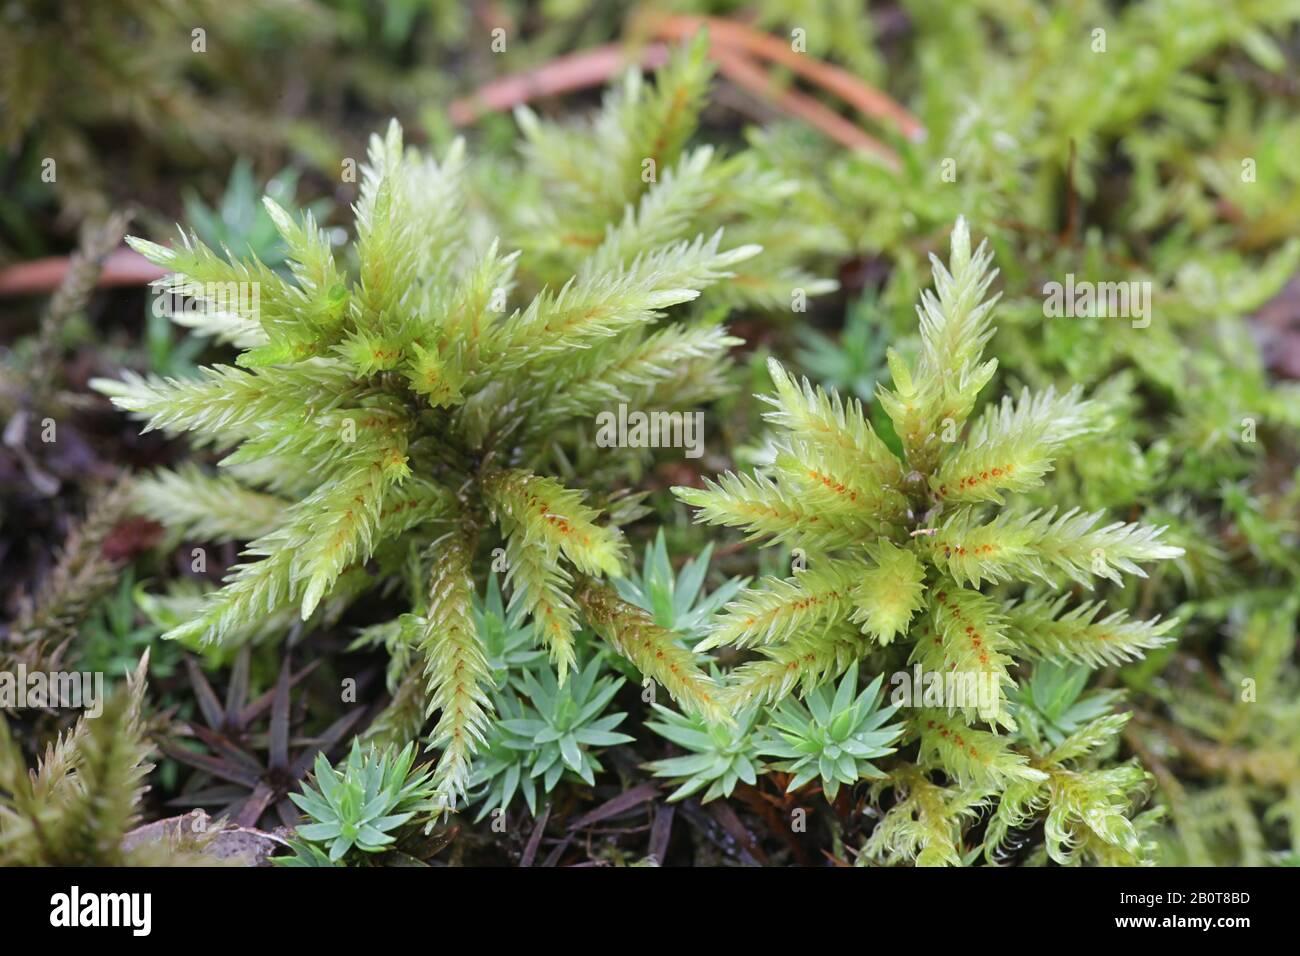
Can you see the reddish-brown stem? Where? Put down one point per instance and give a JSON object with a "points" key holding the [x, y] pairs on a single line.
{"points": [[866, 99], [744, 72], [566, 74], [123, 267], [732, 46]]}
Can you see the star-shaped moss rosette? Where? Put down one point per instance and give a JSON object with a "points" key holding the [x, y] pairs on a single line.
{"points": [[924, 562], [400, 406]]}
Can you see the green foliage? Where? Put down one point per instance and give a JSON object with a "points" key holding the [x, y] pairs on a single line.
{"points": [[926, 823], [369, 413], [502, 767], [1087, 807], [1233, 739], [899, 549], [678, 602], [82, 576], [834, 739], [114, 638], [833, 29], [590, 195], [240, 222], [720, 756], [547, 735], [414, 407], [182, 93], [507, 645], [1063, 89], [77, 806], [1207, 217], [359, 808], [1051, 705], [853, 363]]}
